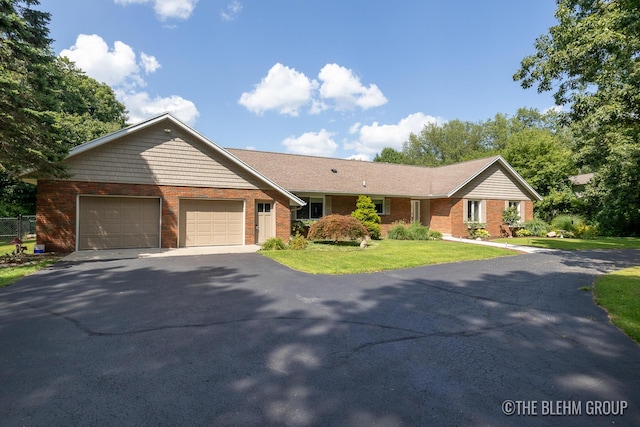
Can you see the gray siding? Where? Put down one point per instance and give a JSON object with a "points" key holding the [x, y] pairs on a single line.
{"points": [[154, 157], [493, 183]]}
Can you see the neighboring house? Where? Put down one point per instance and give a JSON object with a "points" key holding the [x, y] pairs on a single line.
{"points": [[160, 183], [579, 183]]}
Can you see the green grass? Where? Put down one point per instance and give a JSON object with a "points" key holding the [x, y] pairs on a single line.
{"points": [[11, 274], [619, 294], [575, 244], [380, 255]]}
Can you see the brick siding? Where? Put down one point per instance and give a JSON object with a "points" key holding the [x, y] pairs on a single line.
{"points": [[56, 209]]}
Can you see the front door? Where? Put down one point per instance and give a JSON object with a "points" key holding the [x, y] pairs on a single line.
{"points": [[415, 211], [264, 222]]}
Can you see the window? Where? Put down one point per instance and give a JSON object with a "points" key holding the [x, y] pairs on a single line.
{"points": [[312, 210], [379, 206], [515, 204], [474, 210]]}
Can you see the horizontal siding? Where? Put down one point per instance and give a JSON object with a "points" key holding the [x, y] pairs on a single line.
{"points": [[152, 156], [493, 183]]}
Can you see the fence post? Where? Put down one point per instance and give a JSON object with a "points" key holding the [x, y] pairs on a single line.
{"points": [[19, 228]]}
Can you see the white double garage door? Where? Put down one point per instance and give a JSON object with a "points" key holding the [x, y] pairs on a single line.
{"points": [[134, 222]]}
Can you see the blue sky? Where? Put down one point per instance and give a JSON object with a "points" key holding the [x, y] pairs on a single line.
{"points": [[331, 78]]}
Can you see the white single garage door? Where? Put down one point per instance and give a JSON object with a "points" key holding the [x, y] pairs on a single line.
{"points": [[211, 222], [118, 222]]}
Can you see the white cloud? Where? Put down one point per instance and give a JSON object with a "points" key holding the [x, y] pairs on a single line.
{"points": [[141, 106], [120, 69], [343, 87], [373, 138], [232, 11], [554, 108], [312, 144], [115, 66], [283, 89], [165, 9], [149, 63]]}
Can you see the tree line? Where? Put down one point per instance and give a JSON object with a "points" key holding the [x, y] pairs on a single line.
{"points": [[590, 61]]}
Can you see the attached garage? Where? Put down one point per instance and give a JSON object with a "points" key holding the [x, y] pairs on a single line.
{"points": [[211, 222], [118, 222]]}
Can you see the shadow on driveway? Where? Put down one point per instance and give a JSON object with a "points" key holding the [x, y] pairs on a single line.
{"points": [[241, 340]]}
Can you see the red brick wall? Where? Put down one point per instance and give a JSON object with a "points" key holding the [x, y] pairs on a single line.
{"points": [[441, 215], [400, 210], [494, 216], [56, 209]]}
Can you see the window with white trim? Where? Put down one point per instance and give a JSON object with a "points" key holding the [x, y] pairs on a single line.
{"points": [[516, 204], [379, 206], [474, 210]]}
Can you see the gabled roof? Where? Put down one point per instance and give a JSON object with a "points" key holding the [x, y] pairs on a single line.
{"points": [[310, 174], [204, 140]]}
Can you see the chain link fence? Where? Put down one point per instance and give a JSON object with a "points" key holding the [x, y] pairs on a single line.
{"points": [[19, 226]]}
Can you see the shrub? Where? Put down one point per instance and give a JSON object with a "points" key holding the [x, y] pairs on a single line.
{"points": [[274, 244], [510, 216], [523, 232], [585, 231], [435, 235], [537, 227], [418, 231], [301, 226], [337, 227], [366, 213], [398, 232], [479, 233], [298, 242], [566, 222]]}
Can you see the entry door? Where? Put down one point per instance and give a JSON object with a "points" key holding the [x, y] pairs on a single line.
{"points": [[264, 222], [415, 211]]}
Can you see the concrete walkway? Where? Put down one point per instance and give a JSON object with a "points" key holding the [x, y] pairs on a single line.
{"points": [[525, 249], [95, 255]]}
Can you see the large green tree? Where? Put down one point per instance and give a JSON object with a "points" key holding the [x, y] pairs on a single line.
{"points": [[47, 105], [591, 60]]}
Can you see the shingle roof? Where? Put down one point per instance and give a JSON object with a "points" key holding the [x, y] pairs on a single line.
{"points": [[312, 174]]}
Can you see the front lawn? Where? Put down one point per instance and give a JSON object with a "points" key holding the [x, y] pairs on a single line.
{"points": [[380, 255], [14, 268], [574, 244], [619, 294]]}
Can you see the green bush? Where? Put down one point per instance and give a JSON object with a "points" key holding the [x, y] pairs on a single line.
{"points": [[366, 213], [298, 242], [585, 231], [399, 232], [566, 222], [337, 227], [418, 231], [537, 227], [523, 232], [301, 226], [510, 216], [481, 233], [435, 235], [274, 244]]}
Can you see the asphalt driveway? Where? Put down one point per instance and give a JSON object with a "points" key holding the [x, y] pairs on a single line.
{"points": [[240, 340]]}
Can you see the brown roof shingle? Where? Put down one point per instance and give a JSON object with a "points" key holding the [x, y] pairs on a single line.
{"points": [[300, 174]]}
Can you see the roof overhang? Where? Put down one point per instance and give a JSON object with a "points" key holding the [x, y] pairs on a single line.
{"points": [[87, 146]]}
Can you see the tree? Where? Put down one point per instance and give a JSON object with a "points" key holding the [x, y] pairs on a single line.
{"points": [[390, 155], [591, 58], [541, 158], [452, 142], [366, 213], [27, 90]]}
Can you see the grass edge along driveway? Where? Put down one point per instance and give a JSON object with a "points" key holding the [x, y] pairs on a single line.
{"points": [[574, 244], [381, 255], [619, 294]]}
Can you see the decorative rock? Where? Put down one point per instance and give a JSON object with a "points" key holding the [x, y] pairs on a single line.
{"points": [[551, 234], [363, 244]]}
